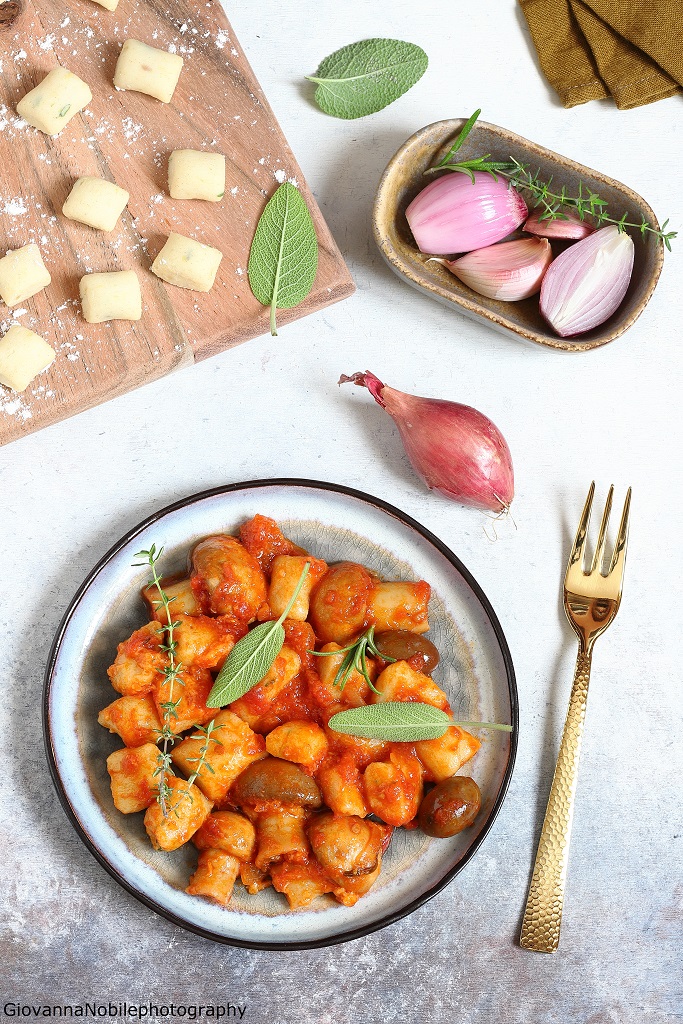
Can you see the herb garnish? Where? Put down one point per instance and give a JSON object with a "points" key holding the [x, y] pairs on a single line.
{"points": [[355, 659], [64, 111], [401, 722], [252, 656], [553, 203], [283, 260], [365, 77], [171, 673], [203, 733]]}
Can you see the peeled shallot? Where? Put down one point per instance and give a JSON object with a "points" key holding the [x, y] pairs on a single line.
{"points": [[454, 214], [568, 226], [587, 282], [453, 448], [508, 270]]}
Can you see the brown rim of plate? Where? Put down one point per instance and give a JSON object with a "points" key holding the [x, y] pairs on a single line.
{"points": [[403, 178]]}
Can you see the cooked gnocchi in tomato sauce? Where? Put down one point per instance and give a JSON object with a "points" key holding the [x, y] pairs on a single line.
{"points": [[275, 797]]}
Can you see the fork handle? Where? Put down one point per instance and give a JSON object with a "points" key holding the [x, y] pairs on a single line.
{"points": [[543, 914]]}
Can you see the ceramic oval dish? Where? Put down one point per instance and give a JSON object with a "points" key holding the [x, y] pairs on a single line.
{"points": [[334, 523], [404, 178]]}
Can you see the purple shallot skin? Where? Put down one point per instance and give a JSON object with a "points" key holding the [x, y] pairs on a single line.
{"points": [[455, 449]]}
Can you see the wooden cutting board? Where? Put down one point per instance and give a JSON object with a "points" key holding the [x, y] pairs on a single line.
{"points": [[126, 137]]}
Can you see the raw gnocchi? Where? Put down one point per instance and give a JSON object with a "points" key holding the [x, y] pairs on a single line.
{"points": [[96, 202], [111, 296], [51, 105], [146, 69], [193, 174], [187, 263], [22, 274], [23, 355]]}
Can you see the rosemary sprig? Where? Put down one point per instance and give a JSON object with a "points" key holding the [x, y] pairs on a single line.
{"points": [[170, 672], [356, 659], [554, 203]]}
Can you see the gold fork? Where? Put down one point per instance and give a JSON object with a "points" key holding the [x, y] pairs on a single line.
{"points": [[591, 601]]}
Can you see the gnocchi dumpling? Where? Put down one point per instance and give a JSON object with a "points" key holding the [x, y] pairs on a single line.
{"points": [[51, 105], [96, 202], [187, 811], [187, 263], [445, 756], [23, 355], [231, 747], [400, 682], [146, 69], [193, 174], [284, 577], [301, 742], [400, 606], [227, 831], [112, 296], [22, 274], [133, 773], [134, 719], [394, 787], [215, 876], [139, 662]]}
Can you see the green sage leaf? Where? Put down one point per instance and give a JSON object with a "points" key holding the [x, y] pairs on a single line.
{"points": [[401, 722], [283, 260], [394, 720], [367, 76], [246, 665]]}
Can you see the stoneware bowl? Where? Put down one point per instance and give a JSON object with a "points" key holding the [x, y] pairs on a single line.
{"points": [[335, 523], [404, 178]]}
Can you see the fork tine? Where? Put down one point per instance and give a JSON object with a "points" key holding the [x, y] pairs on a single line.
{"points": [[619, 554], [599, 555], [580, 539]]}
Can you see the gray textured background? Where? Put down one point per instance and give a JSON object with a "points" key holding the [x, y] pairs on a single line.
{"points": [[68, 933]]}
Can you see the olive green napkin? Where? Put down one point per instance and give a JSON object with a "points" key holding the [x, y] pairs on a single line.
{"points": [[631, 50]]}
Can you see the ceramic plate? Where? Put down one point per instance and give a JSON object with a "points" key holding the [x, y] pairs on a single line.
{"points": [[334, 523], [404, 178]]}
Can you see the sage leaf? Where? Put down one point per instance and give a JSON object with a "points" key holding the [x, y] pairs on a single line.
{"points": [[393, 720], [283, 260], [400, 722], [365, 77], [247, 664]]}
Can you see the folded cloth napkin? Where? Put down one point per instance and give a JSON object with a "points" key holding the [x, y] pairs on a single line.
{"points": [[631, 50]]}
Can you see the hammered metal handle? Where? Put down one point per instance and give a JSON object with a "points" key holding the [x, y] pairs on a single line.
{"points": [[543, 914]]}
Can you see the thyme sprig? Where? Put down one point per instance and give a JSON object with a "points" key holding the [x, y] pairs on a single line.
{"points": [[554, 203], [171, 673], [203, 732], [356, 659]]}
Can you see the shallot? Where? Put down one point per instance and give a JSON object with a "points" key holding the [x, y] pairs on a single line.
{"points": [[587, 282], [453, 448], [568, 226], [509, 270], [455, 214]]}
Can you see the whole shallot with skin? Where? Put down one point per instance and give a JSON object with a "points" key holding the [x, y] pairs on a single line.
{"points": [[453, 448]]}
